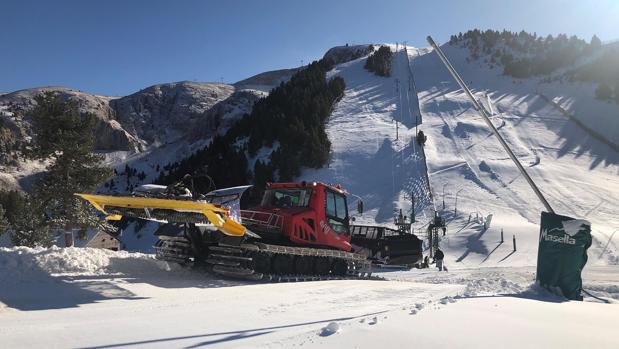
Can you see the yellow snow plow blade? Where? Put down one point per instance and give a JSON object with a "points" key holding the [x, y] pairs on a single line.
{"points": [[159, 209]]}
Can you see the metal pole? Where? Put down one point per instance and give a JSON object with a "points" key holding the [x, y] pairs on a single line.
{"points": [[413, 206], [482, 111], [456, 204], [418, 114], [444, 195], [514, 243], [411, 83], [400, 97], [431, 241]]}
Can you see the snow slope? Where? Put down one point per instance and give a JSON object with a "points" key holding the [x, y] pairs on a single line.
{"points": [[578, 99], [367, 159], [576, 172], [91, 298]]}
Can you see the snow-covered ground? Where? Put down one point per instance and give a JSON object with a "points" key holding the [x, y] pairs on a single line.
{"points": [[577, 173], [367, 158], [86, 298], [91, 298]]}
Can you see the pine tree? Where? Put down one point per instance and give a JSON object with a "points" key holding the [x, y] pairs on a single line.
{"points": [[291, 119], [380, 61], [603, 92], [595, 42], [67, 137], [30, 227], [4, 222]]}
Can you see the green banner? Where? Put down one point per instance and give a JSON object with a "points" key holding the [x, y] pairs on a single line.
{"points": [[562, 254]]}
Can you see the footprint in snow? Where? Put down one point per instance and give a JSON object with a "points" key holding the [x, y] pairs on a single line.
{"points": [[374, 321]]}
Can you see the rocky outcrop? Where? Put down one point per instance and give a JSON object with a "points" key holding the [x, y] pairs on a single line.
{"points": [[223, 114], [156, 115], [109, 134], [165, 112], [343, 54], [12, 138], [143, 121], [266, 81]]}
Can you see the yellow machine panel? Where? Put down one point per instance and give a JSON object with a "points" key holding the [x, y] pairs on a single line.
{"points": [[216, 215]]}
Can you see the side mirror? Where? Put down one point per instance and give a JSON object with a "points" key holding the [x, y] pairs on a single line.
{"points": [[360, 207]]}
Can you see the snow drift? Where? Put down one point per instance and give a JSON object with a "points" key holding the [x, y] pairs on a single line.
{"points": [[19, 264]]}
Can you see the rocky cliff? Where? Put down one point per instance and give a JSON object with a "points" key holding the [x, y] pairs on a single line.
{"points": [[155, 115], [17, 105]]}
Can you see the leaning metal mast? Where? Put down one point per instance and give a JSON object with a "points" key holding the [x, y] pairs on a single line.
{"points": [[482, 111]]}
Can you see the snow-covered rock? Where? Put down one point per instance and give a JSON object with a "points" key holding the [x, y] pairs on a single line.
{"points": [[347, 53], [266, 81]]}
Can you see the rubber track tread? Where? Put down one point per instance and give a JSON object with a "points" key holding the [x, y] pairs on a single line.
{"points": [[361, 267]]}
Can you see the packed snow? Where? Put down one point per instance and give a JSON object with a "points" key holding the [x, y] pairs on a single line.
{"points": [[576, 172], [367, 157], [92, 298]]}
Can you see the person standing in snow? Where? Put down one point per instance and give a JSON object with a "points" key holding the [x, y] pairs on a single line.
{"points": [[438, 257], [421, 138]]}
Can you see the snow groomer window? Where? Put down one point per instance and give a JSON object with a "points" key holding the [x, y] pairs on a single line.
{"points": [[336, 211]]}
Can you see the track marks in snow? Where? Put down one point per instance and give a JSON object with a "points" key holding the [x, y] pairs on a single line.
{"points": [[366, 157], [575, 172]]}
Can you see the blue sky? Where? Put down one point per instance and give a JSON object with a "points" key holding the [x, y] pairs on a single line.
{"points": [[118, 47]]}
